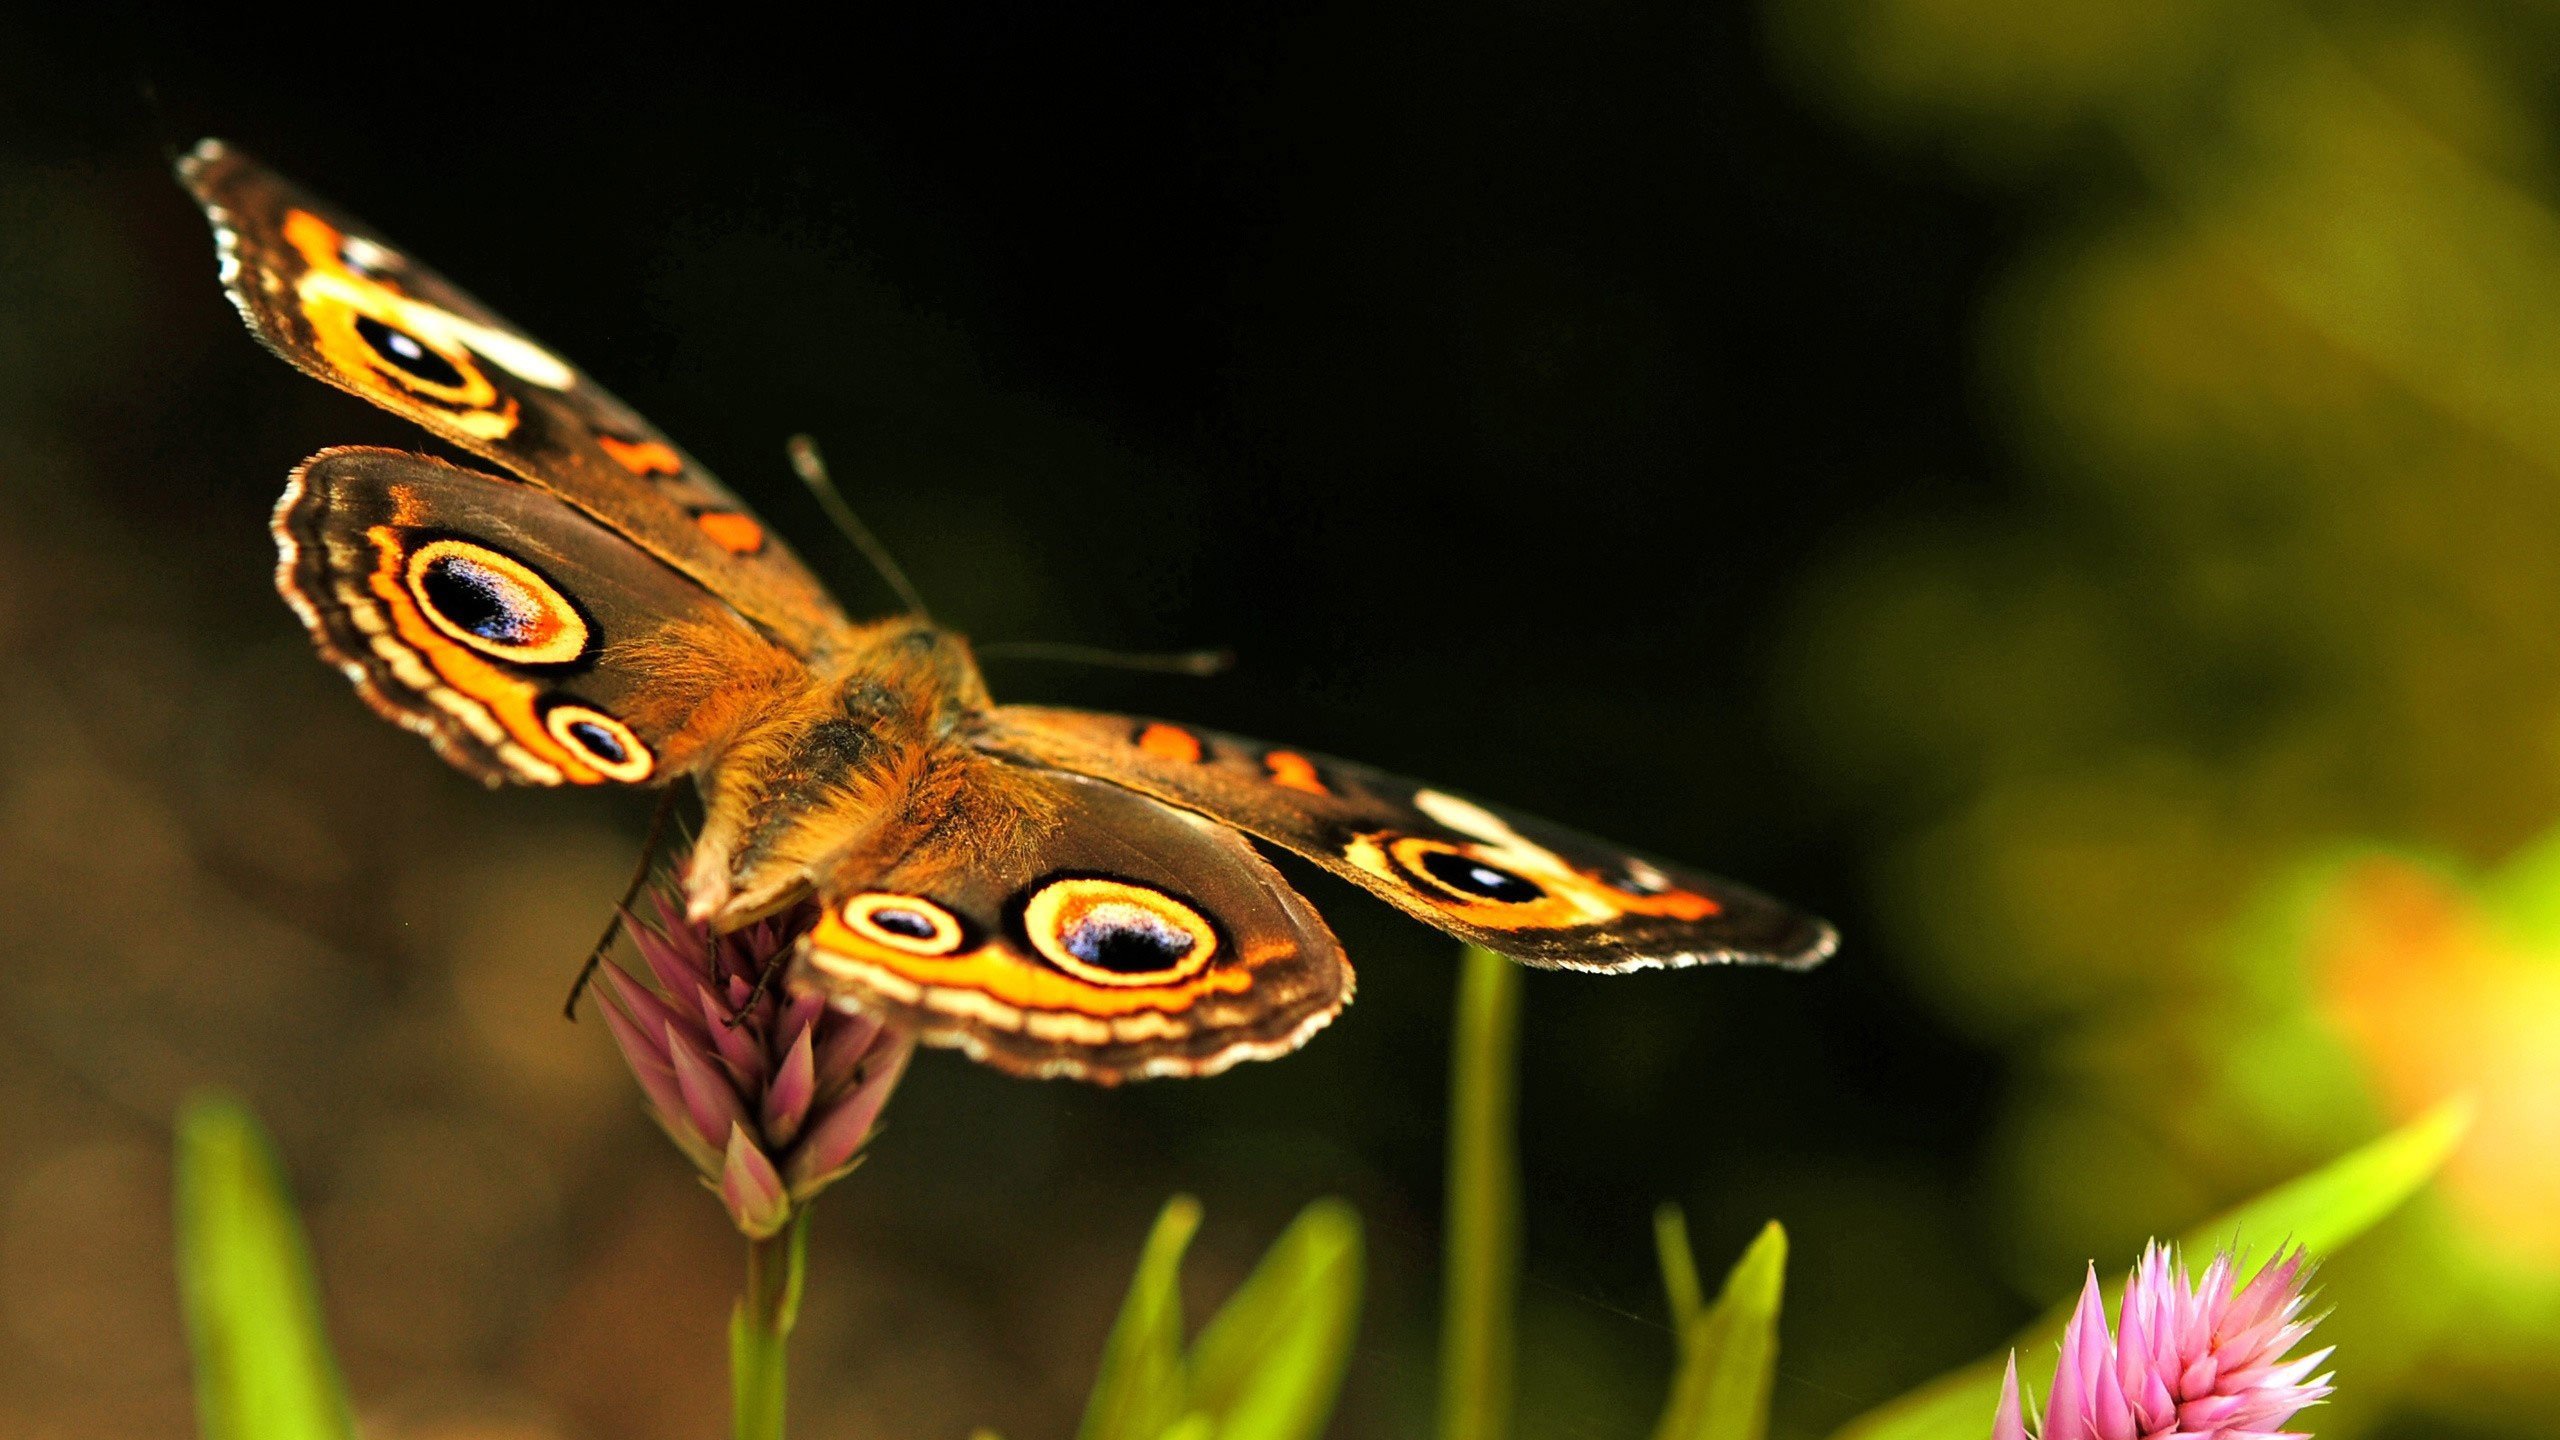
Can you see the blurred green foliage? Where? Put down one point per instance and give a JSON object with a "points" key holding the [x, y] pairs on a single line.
{"points": [[2318, 1212], [1270, 1364], [264, 1369], [1266, 1367], [1728, 1351], [2171, 745], [1480, 1256]]}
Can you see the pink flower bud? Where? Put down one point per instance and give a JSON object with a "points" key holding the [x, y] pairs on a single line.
{"points": [[753, 1084], [752, 1188], [2205, 1362]]}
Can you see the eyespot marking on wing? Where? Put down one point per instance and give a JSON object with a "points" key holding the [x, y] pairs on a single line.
{"points": [[1017, 991], [495, 603], [458, 679], [411, 356], [1169, 742], [1461, 875], [1111, 932], [1642, 888], [381, 338], [599, 739], [908, 923], [1514, 886]]}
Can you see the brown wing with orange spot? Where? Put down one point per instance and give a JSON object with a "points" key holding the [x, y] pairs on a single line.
{"points": [[526, 641], [345, 305], [1052, 925], [1537, 892]]}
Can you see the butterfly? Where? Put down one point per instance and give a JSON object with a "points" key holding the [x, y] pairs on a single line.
{"points": [[1054, 892]]}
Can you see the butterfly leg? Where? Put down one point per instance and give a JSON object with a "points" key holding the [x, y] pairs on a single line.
{"points": [[639, 877]]}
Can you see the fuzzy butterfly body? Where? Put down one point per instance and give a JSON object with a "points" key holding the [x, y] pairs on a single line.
{"points": [[1055, 892]]}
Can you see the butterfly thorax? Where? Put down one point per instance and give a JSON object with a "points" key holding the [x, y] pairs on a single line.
{"points": [[834, 770]]}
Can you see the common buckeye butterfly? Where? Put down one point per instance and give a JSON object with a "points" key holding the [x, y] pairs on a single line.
{"points": [[1053, 891]]}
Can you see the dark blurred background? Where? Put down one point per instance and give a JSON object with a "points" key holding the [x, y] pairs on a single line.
{"points": [[2065, 490]]}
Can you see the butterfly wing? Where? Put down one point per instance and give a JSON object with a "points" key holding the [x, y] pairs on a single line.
{"points": [[1053, 925], [525, 640], [343, 304], [1534, 891]]}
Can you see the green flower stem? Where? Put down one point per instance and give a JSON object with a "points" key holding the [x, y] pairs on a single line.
{"points": [[1483, 1217], [760, 1329]]}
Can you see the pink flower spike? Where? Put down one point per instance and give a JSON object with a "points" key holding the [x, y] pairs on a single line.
{"points": [[679, 967], [753, 1082], [801, 1014], [795, 1085], [647, 1059], [738, 1047], [2009, 1422], [662, 1027], [2201, 1362], [828, 1149], [708, 1101], [841, 1048], [751, 1188]]}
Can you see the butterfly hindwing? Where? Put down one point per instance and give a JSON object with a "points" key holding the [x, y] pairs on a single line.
{"points": [[1053, 925], [1537, 892], [347, 306], [525, 640]]}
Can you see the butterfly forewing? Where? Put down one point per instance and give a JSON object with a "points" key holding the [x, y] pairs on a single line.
{"points": [[1521, 886], [345, 305]]}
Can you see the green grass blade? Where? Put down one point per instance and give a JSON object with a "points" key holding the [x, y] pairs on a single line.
{"points": [[2319, 1211], [1728, 1353], [1139, 1392], [1679, 1267], [1269, 1366], [264, 1370], [1483, 1215]]}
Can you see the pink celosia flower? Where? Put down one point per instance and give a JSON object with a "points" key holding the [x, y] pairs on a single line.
{"points": [[769, 1094], [2206, 1363]]}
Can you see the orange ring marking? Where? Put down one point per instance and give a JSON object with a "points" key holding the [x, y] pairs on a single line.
{"points": [[333, 297], [860, 915], [560, 632], [1062, 905], [508, 699], [636, 764], [1004, 975]]}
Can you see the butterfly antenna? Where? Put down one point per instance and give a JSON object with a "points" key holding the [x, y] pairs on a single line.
{"points": [[1182, 662], [812, 469], [639, 877]]}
